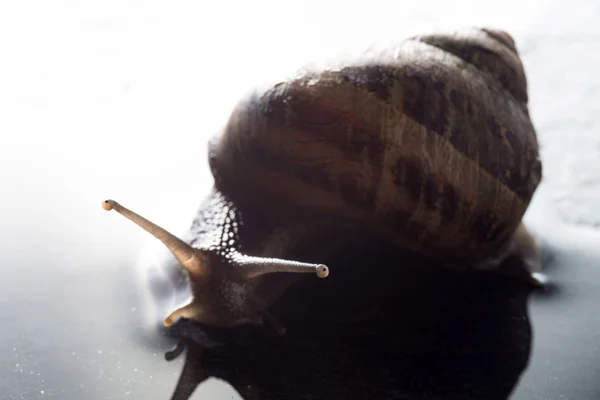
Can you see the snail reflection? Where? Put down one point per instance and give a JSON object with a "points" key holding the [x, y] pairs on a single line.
{"points": [[427, 148], [412, 332]]}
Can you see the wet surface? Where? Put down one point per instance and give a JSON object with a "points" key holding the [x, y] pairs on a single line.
{"points": [[402, 330], [83, 85]]}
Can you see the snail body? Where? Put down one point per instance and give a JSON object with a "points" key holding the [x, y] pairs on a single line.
{"points": [[429, 147]]}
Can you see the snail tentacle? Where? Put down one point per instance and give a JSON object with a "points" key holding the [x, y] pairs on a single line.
{"points": [[185, 254], [189, 311], [250, 267]]}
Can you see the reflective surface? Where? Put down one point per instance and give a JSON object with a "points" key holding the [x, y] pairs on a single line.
{"points": [[404, 330], [113, 99]]}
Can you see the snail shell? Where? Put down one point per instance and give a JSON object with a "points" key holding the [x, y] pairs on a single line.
{"points": [[428, 146]]}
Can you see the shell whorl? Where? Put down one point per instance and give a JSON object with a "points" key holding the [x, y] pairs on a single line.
{"points": [[491, 51], [431, 146]]}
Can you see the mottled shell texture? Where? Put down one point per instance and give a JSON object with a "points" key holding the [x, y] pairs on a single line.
{"points": [[430, 144]]}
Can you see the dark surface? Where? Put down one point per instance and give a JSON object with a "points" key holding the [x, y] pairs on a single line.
{"points": [[565, 363], [384, 326], [428, 334]]}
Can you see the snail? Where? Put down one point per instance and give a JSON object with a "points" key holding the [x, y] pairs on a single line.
{"points": [[428, 146]]}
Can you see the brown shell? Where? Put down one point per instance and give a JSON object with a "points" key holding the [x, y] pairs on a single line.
{"points": [[430, 145]]}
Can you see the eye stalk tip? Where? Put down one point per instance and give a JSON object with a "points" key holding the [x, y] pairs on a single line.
{"points": [[108, 204], [322, 271]]}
